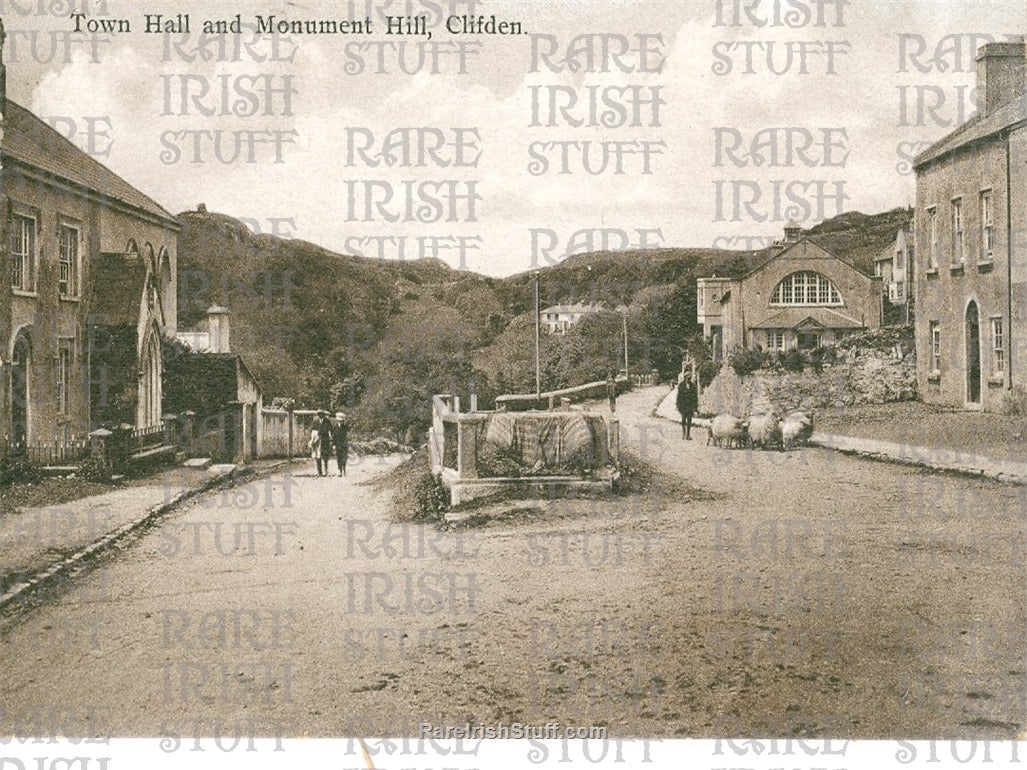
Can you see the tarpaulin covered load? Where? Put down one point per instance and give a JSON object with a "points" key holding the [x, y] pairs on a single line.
{"points": [[547, 441]]}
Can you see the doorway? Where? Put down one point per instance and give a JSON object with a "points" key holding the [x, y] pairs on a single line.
{"points": [[973, 355], [20, 366], [808, 340]]}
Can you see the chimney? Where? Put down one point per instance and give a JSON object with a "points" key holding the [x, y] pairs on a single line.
{"points": [[793, 231], [201, 207], [218, 329], [1001, 74]]}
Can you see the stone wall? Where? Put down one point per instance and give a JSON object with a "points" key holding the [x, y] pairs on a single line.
{"points": [[863, 376]]}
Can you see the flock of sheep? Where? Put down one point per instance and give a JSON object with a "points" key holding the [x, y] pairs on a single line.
{"points": [[761, 430]]}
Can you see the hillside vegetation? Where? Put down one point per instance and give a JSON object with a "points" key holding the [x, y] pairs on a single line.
{"points": [[378, 338]]}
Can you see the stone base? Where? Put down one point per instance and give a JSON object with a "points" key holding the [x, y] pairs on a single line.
{"points": [[534, 487]]}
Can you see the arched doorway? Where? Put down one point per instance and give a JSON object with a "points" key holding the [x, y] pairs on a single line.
{"points": [[973, 355], [149, 410], [21, 365]]}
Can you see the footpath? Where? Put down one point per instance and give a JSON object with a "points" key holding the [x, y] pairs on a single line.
{"points": [[40, 544], [933, 458]]}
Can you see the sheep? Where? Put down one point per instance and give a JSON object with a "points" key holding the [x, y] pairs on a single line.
{"points": [[765, 431], [796, 428], [727, 427]]}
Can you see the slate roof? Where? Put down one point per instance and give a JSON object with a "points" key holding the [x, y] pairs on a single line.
{"points": [[856, 257], [578, 307], [31, 141], [976, 129], [793, 317]]}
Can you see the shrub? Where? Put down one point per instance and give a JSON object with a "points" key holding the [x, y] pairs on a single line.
{"points": [[746, 361], [820, 356], [707, 370], [93, 469], [17, 469], [793, 360], [431, 498]]}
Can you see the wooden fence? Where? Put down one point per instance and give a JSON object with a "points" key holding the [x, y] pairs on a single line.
{"points": [[146, 438], [68, 453]]}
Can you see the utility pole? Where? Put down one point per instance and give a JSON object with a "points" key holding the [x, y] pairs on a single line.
{"points": [[538, 343], [624, 316]]}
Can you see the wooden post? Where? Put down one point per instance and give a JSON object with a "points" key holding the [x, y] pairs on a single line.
{"points": [[292, 418]]}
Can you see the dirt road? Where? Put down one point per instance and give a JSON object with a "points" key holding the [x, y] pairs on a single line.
{"points": [[809, 594]]}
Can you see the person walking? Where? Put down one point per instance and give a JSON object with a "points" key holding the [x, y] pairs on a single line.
{"points": [[340, 439], [611, 391], [687, 402], [324, 442], [314, 445]]}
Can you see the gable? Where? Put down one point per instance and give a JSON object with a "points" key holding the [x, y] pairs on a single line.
{"points": [[804, 254]]}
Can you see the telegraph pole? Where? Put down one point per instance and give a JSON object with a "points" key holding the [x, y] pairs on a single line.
{"points": [[538, 343], [624, 316]]}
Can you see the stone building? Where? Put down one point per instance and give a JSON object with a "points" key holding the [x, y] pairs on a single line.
{"points": [[799, 295], [971, 220], [87, 288], [894, 266], [213, 383]]}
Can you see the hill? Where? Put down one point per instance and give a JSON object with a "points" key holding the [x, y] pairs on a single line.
{"points": [[380, 336]]}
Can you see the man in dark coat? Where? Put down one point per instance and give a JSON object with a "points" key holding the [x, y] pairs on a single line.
{"points": [[611, 391], [340, 438], [324, 432], [687, 402]]}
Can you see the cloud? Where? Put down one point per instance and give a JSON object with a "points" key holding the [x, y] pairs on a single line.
{"points": [[138, 83]]}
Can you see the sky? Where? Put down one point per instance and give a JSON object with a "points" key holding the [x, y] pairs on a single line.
{"points": [[822, 119]]}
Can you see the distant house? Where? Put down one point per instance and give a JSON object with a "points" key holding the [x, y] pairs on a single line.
{"points": [[218, 387], [87, 288], [894, 266], [971, 217], [558, 319], [799, 295]]}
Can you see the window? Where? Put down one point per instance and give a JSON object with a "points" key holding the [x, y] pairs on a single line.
{"points": [[998, 346], [987, 227], [775, 340], [63, 372], [957, 232], [935, 347], [67, 282], [899, 265], [805, 288], [23, 252], [932, 239], [878, 268]]}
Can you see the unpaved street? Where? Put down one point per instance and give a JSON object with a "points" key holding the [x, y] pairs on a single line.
{"points": [[810, 594]]}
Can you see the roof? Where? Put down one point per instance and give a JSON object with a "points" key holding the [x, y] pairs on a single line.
{"points": [[31, 141], [795, 317], [577, 307], [761, 260], [976, 129], [903, 240]]}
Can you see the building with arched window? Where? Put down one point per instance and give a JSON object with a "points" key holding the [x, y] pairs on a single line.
{"points": [[87, 288], [799, 295]]}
